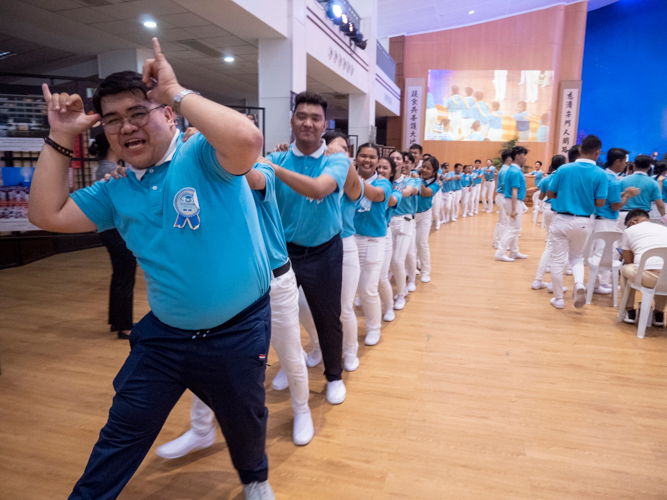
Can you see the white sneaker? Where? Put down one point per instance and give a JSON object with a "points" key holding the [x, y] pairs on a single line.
{"points": [[550, 287], [569, 272], [372, 338], [336, 392], [538, 285], [464, 216], [280, 381], [425, 278], [389, 316], [187, 443], [357, 302], [579, 296], [411, 286], [503, 258], [350, 363], [437, 226], [418, 271], [518, 255], [258, 490], [303, 431], [314, 358], [557, 303], [603, 290], [494, 245], [399, 303]]}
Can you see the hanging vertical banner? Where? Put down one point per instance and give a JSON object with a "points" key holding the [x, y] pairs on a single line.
{"points": [[413, 115], [568, 115]]}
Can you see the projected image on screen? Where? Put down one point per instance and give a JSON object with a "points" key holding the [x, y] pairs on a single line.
{"points": [[488, 105]]}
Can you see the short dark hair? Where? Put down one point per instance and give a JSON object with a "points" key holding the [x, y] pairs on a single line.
{"points": [[573, 153], [417, 146], [408, 156], [615, 154], [309, 97], [518, 150], [117, 83], [330, 135], [590, 144], [556, 161], [504, 155], [636, 212], [538, 161], [659, 168], [478, 161], [642, 162], [456, 165], [369, 145]]}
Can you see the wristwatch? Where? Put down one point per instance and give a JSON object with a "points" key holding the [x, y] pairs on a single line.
{"points": [[176, 105]]}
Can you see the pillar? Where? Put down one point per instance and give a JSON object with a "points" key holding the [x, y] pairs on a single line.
{"points": [[122, 60]]}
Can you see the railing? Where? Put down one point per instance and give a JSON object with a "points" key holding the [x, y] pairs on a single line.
{"points": [[385, 62]]}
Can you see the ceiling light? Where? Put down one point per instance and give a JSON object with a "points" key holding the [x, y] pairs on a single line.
{"points": [[150, 24], [229, 59], [471, 12], [5, 54], [334, 11]]}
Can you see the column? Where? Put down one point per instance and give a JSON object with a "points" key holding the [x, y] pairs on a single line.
{"points": [[122, 60]]}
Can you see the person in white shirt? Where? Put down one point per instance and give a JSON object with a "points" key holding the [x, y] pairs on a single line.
{"points": [[640, 236]]}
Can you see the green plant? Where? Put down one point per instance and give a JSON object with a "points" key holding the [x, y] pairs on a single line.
{"points": [[497, 161]]}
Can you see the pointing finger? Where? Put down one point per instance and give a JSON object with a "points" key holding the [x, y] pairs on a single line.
{"points": [[157, 50], [146, 71], [46, 92]]}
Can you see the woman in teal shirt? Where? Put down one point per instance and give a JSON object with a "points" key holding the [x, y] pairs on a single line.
{"points": [[423, 218]]}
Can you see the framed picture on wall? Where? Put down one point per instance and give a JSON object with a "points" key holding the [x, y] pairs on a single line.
{"points": [[354, 142]]}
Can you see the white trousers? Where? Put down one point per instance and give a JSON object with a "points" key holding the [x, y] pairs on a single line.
{"points": [[501, 225], [488, 190], [545, 260], [401, 234], [371, 257], [447, 202], [621, 221], [465, 201], [604, 275], [456, 202], [569, 234], [423, 222], [348, 291], [385, 290], [411, 259], [477, 190], [285, 339], [510, 240], [437, 203]]}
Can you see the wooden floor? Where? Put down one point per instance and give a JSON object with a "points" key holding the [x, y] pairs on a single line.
{"points": [[479, 389]]}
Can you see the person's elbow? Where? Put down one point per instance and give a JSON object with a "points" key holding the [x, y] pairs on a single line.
{"points": [[615, 207], [323, 189], [600, 203]]}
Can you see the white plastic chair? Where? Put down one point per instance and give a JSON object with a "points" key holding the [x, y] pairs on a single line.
{"points": [[607, 261], [537, 208], [647, 293]]}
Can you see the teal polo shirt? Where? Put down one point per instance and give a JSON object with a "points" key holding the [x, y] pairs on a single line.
{"points": [[446, 184], [544, 187], [489, 173], [578, 185], [347, 209], [425, 203], [405, 206], [649, 191], [613, 196], [269, 218], [514, 178], [456, 183], [370, 218], [466, 180], [500, 188], [309, 222], [477, 177], [391, 211], [196, 278]]}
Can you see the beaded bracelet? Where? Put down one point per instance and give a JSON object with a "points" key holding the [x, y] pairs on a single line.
{"points": [[62, 150]]}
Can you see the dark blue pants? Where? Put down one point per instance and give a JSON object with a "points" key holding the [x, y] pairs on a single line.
{"points": [[319, 271], [223, 366]]}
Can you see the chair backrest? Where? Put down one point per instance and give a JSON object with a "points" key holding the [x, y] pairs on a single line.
{"points": [[661, 285], [610, 238]]}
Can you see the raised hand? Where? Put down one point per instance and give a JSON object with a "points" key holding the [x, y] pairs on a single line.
{"points": [[631, 192], [189, 133], [281, 147], [158, 74], [67, 118], [333, 149]]}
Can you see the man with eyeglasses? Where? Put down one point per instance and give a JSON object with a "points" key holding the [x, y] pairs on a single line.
{"points": [[187, 213]]}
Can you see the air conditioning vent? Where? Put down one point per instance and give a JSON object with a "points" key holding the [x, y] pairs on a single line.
{"points": [[201, 48]]}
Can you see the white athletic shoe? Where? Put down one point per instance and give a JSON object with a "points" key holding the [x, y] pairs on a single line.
{"points": [[399, 303], [258, 490], [569, 272], [187, 443], [538, 285], [603, 289], [336, 392], [389, 316], [372, 338], [579, 295], [350, 363], [314, 358], [437, 226], [464, 216], [357, 302], [557, 303], [503, 258], [303, 431], [280, 381], [411, 286], [518, 255], [550, 287]]}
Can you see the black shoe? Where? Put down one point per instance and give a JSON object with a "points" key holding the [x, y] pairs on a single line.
{"points": [[658, 319], [630, 316], [123, 336]]}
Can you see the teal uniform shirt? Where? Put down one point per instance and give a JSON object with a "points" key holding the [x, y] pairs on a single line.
{"points": [[269, 217], [578, 185], [613, 196], [466, 180], [514, 178], [310, 222], [446, 183], [489, 173], [196, 278], [456, 183], [649, 191], [370, 218], [544, 187], [425, 203], [391, 211], [415, 182], [477, 177], [501, 179], [347, 209], [538, 177], [405, 207]]}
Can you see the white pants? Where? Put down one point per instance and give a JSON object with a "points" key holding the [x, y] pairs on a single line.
{"points": [[371, 257], [569, 235], [495, 134], [488, 190], [477, 194], [401, 234], [447, 202], [545, 260], [510, 240], [621, 221], [348, 291], [423, 221], [411, 259], [456, 202], [285, 339], [604, 275], [501, 225], [386, 293], [471, 201], [437, 202], [465, 197]]}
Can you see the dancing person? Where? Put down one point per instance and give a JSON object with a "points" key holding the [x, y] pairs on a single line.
{"points": [[503, 217], [423, 218], [514, 191], [489, 186], [649, 191]]}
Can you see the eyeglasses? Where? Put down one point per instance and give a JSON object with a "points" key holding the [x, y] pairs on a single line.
{"points": [[138, 118]]}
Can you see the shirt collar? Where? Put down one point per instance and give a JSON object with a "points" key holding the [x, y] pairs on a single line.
{"points": [[640, 173], [399, 179], [611, 172], [586, 160], [139, 172], [316, 154], [515, 165], [371, 179]]}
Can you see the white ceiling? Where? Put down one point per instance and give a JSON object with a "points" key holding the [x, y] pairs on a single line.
{"points": [[409, 17]]}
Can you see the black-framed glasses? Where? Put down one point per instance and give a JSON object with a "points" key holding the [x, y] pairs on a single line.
{"points": [[137, 117]]}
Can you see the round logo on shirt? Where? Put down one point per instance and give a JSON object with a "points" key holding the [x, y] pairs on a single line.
{"points": [[186, 205]]}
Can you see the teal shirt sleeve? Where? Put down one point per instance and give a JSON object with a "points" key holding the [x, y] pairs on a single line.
{"points": [[206, 158], [398, 195], [95, 202], [655, 191], [555, 181], [337, 167], [269, 190], [602, 189]]}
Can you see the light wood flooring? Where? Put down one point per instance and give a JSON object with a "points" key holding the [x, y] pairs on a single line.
{"points": [[479, 389]]}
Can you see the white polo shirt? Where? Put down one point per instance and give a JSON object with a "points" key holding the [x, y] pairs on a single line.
{"points": [[642, 237]]}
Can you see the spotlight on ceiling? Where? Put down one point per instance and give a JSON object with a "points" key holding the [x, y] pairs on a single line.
{"points": [[358, 37], [471, 12], [229, 59], [351, 30], [150, 24], [335, 11], [362, 44]]}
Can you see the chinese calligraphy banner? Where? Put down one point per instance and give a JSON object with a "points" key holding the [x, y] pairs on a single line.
{"points": [[413, 115], [568, 115]]}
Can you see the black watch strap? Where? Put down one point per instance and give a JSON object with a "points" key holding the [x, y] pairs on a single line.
{"points": [[62, 150]]}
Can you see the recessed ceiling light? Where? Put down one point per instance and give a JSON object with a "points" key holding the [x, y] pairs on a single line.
{"points": [[150, 24], [229, 59], [471, 12]]}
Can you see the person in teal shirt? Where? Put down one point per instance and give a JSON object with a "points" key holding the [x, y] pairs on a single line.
{"points": [[466, 185], [456, 181], [207, 276], [649, 190], [424, 218], [503, 217], [478, 177], [514, 192], [488, 187]]}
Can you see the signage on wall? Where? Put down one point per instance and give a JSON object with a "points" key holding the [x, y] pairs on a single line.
{"points": [[413, 115], [568, 116]]}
